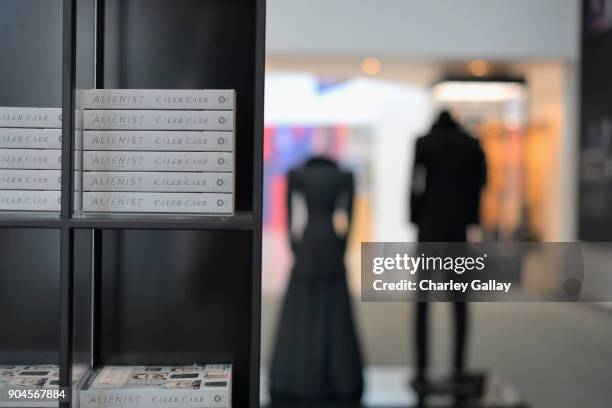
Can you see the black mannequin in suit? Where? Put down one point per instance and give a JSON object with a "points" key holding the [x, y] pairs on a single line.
{"points": [[448, 176], [316, 355]]}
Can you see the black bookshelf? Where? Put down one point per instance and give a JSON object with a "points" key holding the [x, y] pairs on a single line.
{"points": [[158, 289]]}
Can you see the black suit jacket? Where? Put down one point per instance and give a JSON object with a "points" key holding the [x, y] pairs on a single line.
{"points": [[448, 175]]}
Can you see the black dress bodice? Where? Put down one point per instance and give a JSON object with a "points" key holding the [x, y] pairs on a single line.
{"points": [[325, 189]]}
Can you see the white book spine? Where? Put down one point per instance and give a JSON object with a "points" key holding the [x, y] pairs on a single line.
{"points": [[30, 179], [157, 120], [157, 161], [158, 140], [190, 99], [27, 138], [30, 117], [158, 182], [11, 200], [202, 203], [30, 159], [150, 398]]}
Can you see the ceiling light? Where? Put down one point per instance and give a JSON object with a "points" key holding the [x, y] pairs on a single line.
{"points": [[479, 68], [478, 91], [371, 66]]}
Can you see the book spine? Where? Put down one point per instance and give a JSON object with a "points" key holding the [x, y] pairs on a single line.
{"points": [[213, 99], [158, 140], [150, 398], [30, 159], [25, 138], [157, 161], [11, 200], [157, 120], [31, 117], [158, 182], [30, 180], [211, 203]]}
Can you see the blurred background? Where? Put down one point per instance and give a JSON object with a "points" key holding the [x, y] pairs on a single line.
{"points": [[359, 81]]}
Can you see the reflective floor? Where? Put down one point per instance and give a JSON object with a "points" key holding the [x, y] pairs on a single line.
{"points": [[389, 387], [556, 354]]}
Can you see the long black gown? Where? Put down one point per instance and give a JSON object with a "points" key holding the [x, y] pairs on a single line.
{"points": [[316, 355]]}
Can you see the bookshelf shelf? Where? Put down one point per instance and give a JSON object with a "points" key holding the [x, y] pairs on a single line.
{"points": [[29, 220], [242, 221]]}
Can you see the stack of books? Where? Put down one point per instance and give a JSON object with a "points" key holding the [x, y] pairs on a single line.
{"points": [[158, 151], [30, 158], [36, 385], [196, 386]]}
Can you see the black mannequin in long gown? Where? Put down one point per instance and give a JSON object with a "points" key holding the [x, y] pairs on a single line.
{"points": [[316, 355]]}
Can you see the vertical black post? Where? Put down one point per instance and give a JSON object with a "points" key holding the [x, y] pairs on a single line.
{"points": [[99, 43], [260, 40], [96, 296], [96, 267], [67, 196], [122, 44]]}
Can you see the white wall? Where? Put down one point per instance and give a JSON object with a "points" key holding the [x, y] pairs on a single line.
{"points": [[404, 117], [398, 113], [447, 29]]}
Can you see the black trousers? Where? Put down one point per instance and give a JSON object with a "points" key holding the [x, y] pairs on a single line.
{"points": [[422, 337]]}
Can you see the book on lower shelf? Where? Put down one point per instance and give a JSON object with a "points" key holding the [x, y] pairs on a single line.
{"points": [[194, 386], [42, 378]]}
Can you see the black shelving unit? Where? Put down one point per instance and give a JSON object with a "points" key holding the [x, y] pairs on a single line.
{"points": [[162, 289]]}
